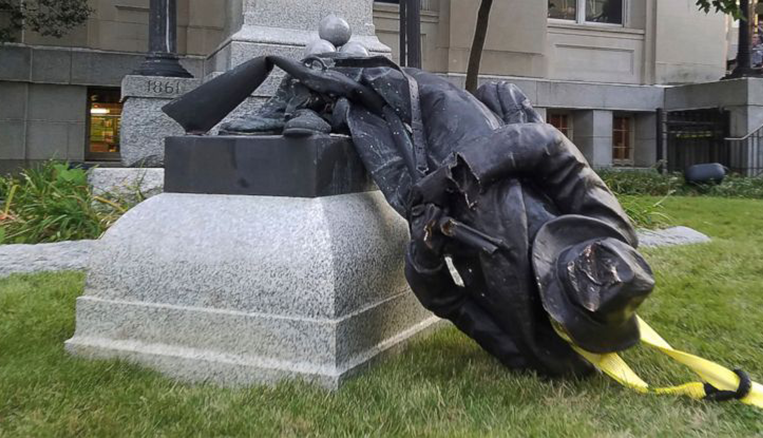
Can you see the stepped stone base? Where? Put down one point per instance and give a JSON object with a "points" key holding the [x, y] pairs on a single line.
{"points": [[250, 289]]}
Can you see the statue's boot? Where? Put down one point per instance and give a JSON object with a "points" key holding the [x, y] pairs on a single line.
{"points": [[257, 125], [305, 123]]}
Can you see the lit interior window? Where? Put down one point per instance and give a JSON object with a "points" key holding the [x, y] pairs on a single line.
{"points": [[105, 116]]}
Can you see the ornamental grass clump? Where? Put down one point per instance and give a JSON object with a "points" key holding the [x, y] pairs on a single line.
{"points": [[54, 203], [645, 213]]}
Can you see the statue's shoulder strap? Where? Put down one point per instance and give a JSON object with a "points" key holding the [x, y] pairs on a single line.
{"points": [[417, 124]]}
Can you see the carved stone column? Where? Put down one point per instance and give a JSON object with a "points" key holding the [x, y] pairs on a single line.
{"points": [[162, 57]]}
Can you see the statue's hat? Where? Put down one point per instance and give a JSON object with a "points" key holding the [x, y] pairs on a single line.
{"points": [[591, 282]]}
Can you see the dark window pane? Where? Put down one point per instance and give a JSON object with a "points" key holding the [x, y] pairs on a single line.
{"points": [[560, 122], [562, 9], [604, 11]]}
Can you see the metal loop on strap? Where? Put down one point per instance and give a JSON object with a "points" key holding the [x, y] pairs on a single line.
{"points": [[745, 386]]}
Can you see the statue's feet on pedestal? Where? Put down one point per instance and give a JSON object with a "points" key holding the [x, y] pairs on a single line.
{"points": [[253, 126], [304, 123]]}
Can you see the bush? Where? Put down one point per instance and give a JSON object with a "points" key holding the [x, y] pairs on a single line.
{"points": [[732, 187], [54, 203], [651, 183], [643, 183]]}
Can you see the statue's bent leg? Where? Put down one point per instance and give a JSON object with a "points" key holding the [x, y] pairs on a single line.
{"points": [[439, 294]]}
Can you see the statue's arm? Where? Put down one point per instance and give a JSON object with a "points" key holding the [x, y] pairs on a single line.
{"points": [[508, 102], [543, 155]]}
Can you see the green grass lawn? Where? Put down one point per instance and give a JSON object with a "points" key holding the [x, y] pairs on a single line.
{"points": [[709, 301]]}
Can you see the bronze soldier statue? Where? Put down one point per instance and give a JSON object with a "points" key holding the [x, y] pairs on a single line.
{"points": [[544, 252]]}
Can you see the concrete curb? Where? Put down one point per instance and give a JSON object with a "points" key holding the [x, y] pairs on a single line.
{"points": [[27, 259], [671, 237]]}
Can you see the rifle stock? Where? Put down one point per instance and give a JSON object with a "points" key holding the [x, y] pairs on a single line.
{"points": [[203, 108]]}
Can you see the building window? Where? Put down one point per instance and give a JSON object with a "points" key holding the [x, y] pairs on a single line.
{"points": [[587, 11], [562, 122], [563, 9], [104, 120], [622, 141]]}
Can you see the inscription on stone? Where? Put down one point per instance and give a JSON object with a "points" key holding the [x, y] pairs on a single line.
{"points": [[164, 87]]}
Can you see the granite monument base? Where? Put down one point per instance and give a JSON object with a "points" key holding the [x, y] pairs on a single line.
{"points": [[144, 126], [238, 289]]}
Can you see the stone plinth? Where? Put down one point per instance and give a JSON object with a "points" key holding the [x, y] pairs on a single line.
{"points": [[267, 165], [245, 289]]}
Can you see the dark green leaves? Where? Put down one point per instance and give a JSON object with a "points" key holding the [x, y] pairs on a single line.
{"points": [[726, 6], [47, 17]]}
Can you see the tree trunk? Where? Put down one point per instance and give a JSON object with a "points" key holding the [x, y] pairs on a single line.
{"points": [[480, 35], [744, 66]]}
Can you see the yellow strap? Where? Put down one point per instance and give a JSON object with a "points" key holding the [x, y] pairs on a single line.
{"points": [[720, 377]]}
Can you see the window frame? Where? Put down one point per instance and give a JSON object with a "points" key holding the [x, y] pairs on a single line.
{"points": [[570, 123], [580, 19], [629, 162], [89, 154]]}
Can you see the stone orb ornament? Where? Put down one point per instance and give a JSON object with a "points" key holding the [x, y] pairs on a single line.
{"points": [[335, 30], [354, 48], [319, 47]]}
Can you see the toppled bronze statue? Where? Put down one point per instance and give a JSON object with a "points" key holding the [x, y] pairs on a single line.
{"points": [[541, 245]]}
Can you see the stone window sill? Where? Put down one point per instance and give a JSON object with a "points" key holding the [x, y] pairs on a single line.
{"points": [[563, 25]]}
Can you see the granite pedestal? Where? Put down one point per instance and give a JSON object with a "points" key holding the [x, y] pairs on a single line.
{"points": [[240, 289], [144, 125]]}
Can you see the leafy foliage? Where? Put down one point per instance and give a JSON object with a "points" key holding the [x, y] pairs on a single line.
{"points": [[54, 203], [726, 6], [47, 17]]}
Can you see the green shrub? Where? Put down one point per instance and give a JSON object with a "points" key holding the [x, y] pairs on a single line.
{"points": [[641, 183], [652, 183], [53, 203], [732, 187]]}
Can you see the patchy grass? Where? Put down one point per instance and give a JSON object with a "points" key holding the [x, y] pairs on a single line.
{"points": [[709, 301]]}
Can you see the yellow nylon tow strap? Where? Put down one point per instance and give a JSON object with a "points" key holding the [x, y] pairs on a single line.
{"points": [[716, 375]]}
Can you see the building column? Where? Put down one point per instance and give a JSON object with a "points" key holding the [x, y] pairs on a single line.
{"points": [[645, 147], [592, 134], [162, 59], [543, 113]]}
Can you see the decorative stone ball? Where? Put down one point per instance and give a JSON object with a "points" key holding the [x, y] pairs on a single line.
{"points": [[319, 47], [354, 48], [335, 30]]}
